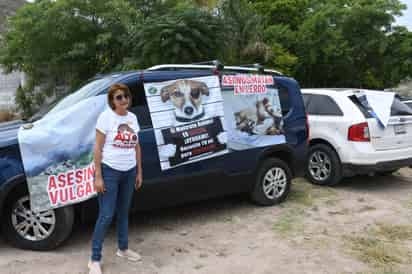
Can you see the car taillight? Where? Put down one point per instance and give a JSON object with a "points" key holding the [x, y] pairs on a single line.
{"points": [[307, 128], [359, 133]]}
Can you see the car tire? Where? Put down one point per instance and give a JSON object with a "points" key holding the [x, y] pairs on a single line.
{"points": [[56, 225], [323, 166], [273, 180]]}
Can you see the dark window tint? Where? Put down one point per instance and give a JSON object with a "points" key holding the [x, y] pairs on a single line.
{"points": [[322, 105], [409, 104], [139, 104], [284, 99], [361, 107], [400, 109], [306, 98]]}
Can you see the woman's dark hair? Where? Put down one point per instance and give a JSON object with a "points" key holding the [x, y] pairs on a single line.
{"points": [[112, 91]]}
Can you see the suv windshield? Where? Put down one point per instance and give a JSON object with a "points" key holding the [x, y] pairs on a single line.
{"points": [[84, 92]]}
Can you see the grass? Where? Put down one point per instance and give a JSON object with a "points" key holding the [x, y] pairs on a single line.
{"points": [[375, 252], [383, 246], [393, 232], [384, 272], [302, 197], [289, 222], [306, 194]]}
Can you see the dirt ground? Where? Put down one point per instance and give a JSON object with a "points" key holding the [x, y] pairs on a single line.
{"points": [[363, 225]]}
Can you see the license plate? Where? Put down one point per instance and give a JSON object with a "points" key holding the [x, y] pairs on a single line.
{"points": [[400, 129]]}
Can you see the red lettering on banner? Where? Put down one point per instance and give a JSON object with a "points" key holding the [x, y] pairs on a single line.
{"points": [[197, 131], [71, 186], [64, 195], [241, 80], [62, 180], [88, 188], [80, 191], [79, 176], [52, 183], [53, 197], [90, 172], [70, 179]]}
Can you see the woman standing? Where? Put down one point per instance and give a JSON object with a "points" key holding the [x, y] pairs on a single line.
{"points": [[117, 159]]}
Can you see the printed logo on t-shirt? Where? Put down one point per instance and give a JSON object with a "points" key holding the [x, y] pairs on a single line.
{"points": [[125, 137]]}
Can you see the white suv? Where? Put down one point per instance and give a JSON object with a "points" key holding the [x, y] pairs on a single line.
{"points": [[346, 140], [408, 103]]}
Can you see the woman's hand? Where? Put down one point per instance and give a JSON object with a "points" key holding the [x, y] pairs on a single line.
{"points": [[139, 181], [99, 185]]}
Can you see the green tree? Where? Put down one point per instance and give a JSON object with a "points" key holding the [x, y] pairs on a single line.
{"points": [[65, 42], [184, 36]]}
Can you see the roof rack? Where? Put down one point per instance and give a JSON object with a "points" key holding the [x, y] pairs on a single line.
{"points": [[215, 64]]}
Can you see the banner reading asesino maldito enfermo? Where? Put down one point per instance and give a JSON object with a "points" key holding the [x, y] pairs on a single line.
{"points": [[252, 110]]}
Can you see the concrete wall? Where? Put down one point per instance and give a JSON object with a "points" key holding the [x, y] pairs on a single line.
{"points": [[8, 85]]}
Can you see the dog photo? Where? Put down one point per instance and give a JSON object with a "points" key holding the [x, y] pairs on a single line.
{"points": [[253, 120], [186, 97], [261, 119]]}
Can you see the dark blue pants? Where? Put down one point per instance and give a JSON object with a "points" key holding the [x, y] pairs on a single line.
{"points": [[117, 198]]}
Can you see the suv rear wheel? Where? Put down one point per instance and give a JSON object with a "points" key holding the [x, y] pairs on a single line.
{"points": [[323, 165], [41, 231], [272, 182]]}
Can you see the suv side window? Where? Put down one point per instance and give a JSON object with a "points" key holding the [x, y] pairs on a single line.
{"points": [[139, 104], [284, 99], [321, 105]]}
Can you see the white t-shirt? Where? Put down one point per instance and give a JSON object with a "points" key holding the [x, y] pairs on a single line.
{"points": [[121, 138]]}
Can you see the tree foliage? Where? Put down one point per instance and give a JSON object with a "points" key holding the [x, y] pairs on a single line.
{"points": [[186, 36], [322, 43]]}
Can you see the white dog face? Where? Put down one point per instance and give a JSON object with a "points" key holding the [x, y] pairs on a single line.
{"points": [[186, 96]]}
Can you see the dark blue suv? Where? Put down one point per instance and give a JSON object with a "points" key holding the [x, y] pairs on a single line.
{"points": [[263, 172]]}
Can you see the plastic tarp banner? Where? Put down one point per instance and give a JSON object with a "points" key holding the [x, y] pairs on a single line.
{"points": [[252, 109], [200, 118], [188, 120], [57, 154], [378, 103]]}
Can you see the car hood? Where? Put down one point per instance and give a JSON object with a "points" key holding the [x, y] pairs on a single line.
{"points": [[8, 132]]}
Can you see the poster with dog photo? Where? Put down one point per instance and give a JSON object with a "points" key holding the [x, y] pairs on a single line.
{"points": [[252, 110], [188, 120]]}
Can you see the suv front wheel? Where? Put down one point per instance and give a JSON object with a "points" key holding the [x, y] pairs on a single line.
{"points": [[273, 182], [41, 231]]}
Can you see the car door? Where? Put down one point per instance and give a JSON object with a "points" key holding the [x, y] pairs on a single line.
{"points": [[164, 187]]}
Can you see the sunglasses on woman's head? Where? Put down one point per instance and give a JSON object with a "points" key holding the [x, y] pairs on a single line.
{"points": [[121, 96]]}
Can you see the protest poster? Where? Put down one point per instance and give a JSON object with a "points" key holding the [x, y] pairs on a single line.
{"points": [[57, 155], [252, 111], [188, 120]]}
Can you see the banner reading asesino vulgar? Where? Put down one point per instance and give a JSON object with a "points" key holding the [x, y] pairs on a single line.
{"points": [[57, 154]]}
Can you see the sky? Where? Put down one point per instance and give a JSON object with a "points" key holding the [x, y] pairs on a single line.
{"points": [[406, 19]]}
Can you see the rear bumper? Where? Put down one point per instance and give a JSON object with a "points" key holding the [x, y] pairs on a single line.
{"points": [[354, 169]]}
